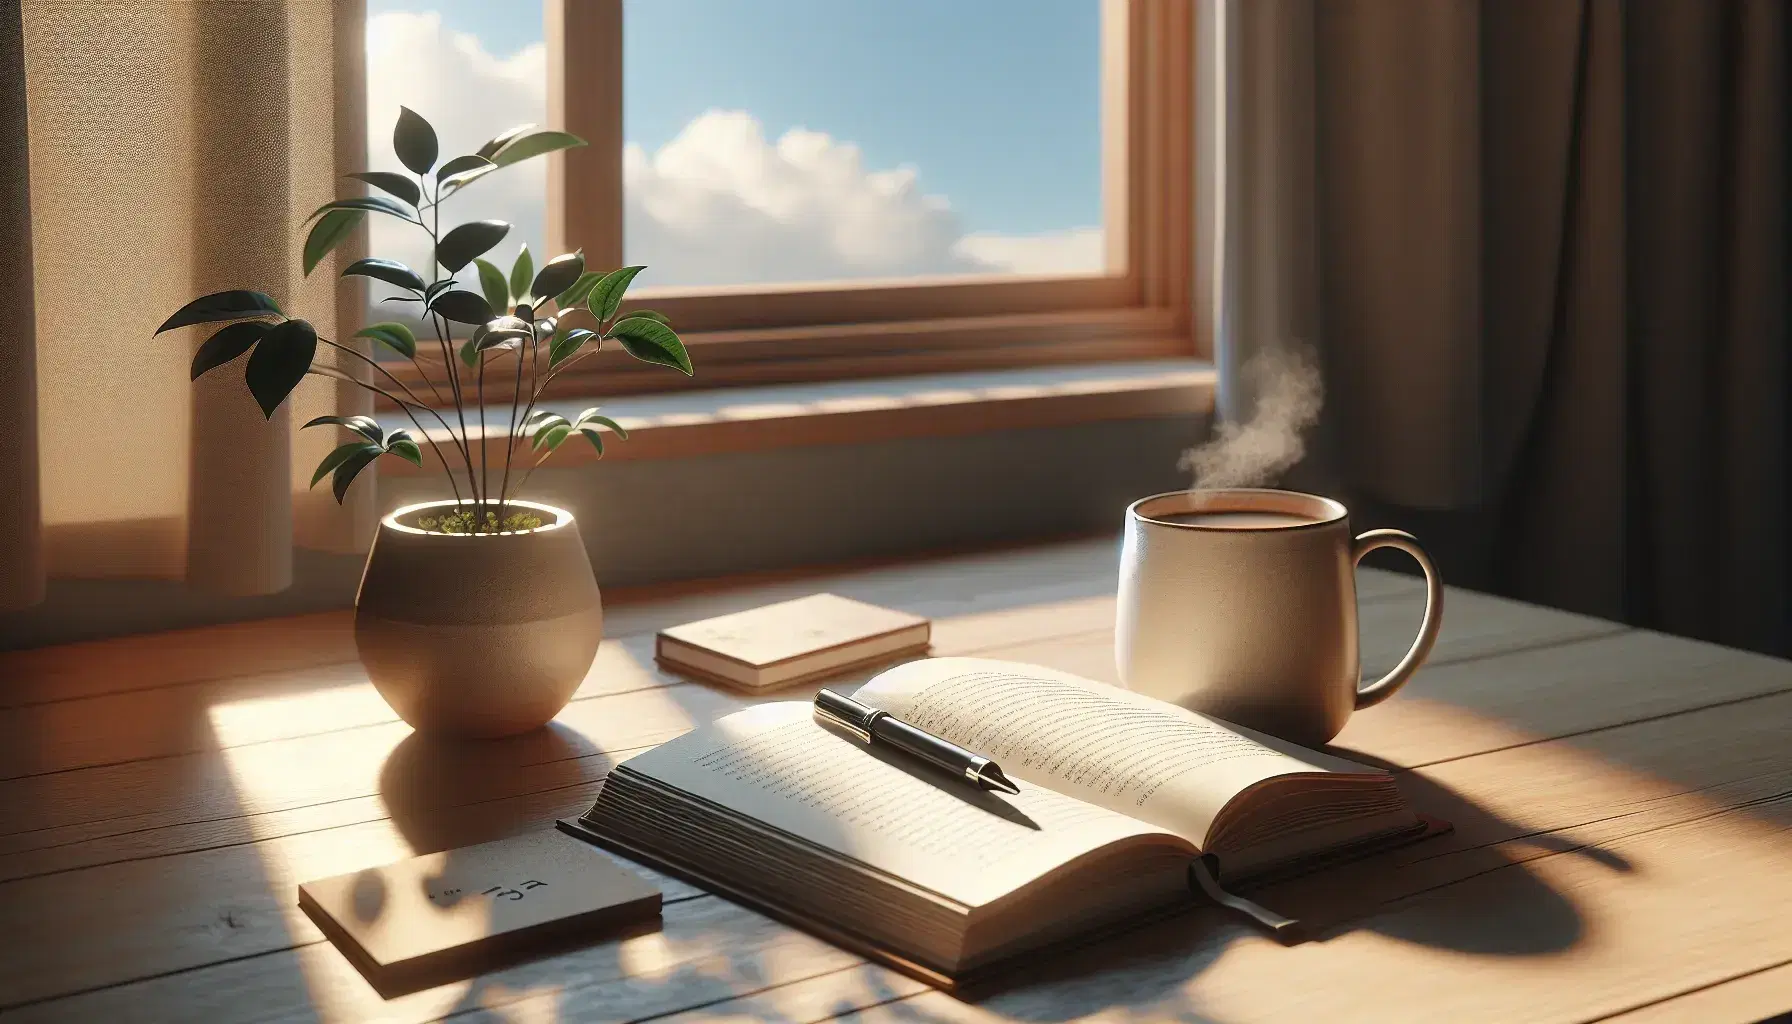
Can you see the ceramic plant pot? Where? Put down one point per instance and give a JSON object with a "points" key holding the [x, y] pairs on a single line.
{"points": [[478, 635]]}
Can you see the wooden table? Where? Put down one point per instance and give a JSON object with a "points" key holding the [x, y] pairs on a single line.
{"points": [[1621, 802]]}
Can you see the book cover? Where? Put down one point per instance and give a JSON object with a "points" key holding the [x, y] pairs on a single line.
{"points": [[449, 915], [791, 641]]}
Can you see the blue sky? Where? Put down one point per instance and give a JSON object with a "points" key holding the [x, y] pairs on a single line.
{"points": [[996, 102]]}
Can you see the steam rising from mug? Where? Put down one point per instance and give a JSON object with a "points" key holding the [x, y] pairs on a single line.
{"points": [[1256, 452]]}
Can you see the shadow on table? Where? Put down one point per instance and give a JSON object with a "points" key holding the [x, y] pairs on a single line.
{"points": [[703, 949], [1496, 907], [447, 794]]}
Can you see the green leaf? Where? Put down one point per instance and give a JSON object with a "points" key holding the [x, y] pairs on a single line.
{"points": [[405, 447], [393, 335], [521, 273], [559, 274], [365, 204], [556, 339], [483, 341], [551, 437], [350, 468], [415, 143], [463, 306], [459, 164], [340, 455], [448, 184], [606, 295], [596, 439], [438, 288], [502, 332], [366, 426], [590, 416], [543, 422], [329, 232], [497, 142], [390, 271], [459, 246], [226, 345], [280, 362], [492, 283], [393, 182], [575, 294], [651, 315], [238, 304], [534, 144], [652, 342], [565, 346]]}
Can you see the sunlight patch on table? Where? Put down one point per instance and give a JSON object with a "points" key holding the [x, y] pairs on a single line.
{"points": [[323, 709]]}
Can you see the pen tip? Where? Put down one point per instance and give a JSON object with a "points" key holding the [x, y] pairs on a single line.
{"points": [[994, 779]]}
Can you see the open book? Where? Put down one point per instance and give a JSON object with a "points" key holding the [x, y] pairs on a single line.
{"points": [[1119, 793]]}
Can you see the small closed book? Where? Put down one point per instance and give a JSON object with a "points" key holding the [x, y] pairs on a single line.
{"points": [[449, 915], [1128, 807], [791, 642]]}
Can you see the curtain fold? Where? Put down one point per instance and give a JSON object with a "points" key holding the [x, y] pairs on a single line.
{"points": [[21, 537], [175, 148], [1552, 247]]}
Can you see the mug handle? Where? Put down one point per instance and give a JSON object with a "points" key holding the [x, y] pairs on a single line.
{"points": [[1383, 688]]}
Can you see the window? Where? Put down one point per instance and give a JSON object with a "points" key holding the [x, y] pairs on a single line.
{"points": [[823, 188], [804, 141]]}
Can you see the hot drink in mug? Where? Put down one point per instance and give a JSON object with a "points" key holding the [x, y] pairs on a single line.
{"points": [[1241, 604]]}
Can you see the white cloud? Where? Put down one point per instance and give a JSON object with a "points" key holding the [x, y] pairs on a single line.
{"points": [[468, 95], [1074, 251], [718, 204]]}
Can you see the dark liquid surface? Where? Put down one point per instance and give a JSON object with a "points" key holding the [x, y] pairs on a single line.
{"points": [[1236, 520]]}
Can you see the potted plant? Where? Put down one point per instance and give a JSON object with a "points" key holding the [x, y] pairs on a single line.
{"points": [[478, 614]]}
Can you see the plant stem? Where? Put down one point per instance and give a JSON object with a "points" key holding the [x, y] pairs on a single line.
{"points": [[441, 327], [535, 390], [516, 396], [406, 407], [555, 372], [412, 395], [334, 374], [418, 402], [460, 405], [483, 485], [437, 395], [531, 470]]}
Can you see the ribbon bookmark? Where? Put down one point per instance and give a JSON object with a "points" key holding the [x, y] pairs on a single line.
{"points": [[1285, 929]]}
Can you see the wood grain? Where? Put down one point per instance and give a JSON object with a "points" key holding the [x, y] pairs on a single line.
{"points": [[1604, 782], [183, 706], [241, 770], [1562, 938], [178, 656], [1752, 996], [1634, 780]]}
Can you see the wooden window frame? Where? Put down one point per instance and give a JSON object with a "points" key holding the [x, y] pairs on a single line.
{"points": [[1144, 307]]}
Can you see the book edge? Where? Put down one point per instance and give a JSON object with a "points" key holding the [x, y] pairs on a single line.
{"points": [[745, 686], [664, 637]]}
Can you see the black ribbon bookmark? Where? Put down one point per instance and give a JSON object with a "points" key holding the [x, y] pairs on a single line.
{"points": [[1285, 930]]}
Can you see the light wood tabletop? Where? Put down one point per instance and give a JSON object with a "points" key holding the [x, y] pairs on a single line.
{"points": [[1621, 851]]}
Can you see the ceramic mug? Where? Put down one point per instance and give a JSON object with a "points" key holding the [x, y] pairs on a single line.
{"points": [[1241, 604]]}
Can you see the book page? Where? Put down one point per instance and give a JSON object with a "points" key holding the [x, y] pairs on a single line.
{"points": [[775, 764], [1120, 750]]}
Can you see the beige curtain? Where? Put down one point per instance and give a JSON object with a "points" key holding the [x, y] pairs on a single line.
{"points": [[173, 149], [1543, 248]]}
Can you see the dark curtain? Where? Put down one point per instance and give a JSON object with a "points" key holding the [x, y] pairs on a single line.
{"points": [[1552, 240]]}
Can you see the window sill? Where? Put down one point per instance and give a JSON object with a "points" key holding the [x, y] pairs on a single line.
{"points": [[695, 423]]}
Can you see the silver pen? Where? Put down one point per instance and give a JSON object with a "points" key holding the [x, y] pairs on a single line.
{"points": [[871, 726]]}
